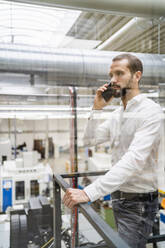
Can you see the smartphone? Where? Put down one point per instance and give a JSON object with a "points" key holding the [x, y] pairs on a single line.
{"points": [[107, 94]]}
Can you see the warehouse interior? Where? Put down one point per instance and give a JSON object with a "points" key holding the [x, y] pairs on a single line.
{"points": [[53, 57]]}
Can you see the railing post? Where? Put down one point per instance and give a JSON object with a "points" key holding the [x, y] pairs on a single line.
{"points": [[57, 223]]}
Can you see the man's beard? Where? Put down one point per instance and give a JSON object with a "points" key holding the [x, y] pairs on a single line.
{"points": [[121, 92]]}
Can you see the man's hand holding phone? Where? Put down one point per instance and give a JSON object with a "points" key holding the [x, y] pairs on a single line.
{"points": [[103, 96], [108, 93]]}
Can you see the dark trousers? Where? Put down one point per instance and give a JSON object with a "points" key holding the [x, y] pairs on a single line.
{"points": [[135, 219]]}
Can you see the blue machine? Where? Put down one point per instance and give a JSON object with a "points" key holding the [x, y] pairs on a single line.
{"points": [[7, 193]]}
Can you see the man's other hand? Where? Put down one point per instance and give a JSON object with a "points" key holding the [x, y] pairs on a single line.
{"points": [[74, 196]]}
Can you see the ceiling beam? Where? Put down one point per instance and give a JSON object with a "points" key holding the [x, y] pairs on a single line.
{"points": [[123, 34], [139, 8]]}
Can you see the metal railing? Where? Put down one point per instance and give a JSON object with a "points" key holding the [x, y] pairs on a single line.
{"points": [[111, 238]]}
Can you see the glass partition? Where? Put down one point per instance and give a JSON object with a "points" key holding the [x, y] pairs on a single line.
{"points": [[52, 62]]}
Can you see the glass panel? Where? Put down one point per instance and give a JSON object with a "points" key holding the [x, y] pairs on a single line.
{"points": [[20, 190], [52, 61], [34, 188]]}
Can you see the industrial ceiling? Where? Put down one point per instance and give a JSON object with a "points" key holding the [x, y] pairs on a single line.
{"points": [[130, 26], [104, 27], [104, 20]]}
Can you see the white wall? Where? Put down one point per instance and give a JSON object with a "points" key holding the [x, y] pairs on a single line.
{"points": [[28, 130]]}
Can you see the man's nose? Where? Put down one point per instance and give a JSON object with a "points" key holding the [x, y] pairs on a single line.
{"points": [[113, 81]]}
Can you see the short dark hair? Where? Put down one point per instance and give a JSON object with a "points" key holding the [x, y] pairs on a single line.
{"points": [[134, 64]]}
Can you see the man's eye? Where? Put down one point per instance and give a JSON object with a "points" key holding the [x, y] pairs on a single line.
{"points": [[120, 73]]}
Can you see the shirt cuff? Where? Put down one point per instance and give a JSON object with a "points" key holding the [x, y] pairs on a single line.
{"points": [[91, 192]]}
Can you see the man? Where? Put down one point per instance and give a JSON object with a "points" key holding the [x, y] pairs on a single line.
{"points": [[134, 134]]}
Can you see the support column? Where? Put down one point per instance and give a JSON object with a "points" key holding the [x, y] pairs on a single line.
{"points": [[74, 164]]}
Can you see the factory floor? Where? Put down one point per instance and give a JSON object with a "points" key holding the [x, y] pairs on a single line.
{"points": [[5, 235], [59, 165], [4, 232]]}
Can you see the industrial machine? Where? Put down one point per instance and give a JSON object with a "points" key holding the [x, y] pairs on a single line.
{"points": [[22, 179], [33, 225]]}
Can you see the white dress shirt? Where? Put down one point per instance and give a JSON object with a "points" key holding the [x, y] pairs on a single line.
{"points": [[134, 136]]}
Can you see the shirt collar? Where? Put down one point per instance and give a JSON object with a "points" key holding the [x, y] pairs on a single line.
{"points": [[132, 101]]}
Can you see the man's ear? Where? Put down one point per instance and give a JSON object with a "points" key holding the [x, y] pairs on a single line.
{"points": [[138, 75]]}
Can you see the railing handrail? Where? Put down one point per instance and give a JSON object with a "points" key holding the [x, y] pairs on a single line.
{"points": [[83, 174], [112, 238]]}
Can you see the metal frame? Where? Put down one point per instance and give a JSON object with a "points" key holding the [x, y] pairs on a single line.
{"points": [[111, 238], [74, 163], [57, 214]]}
